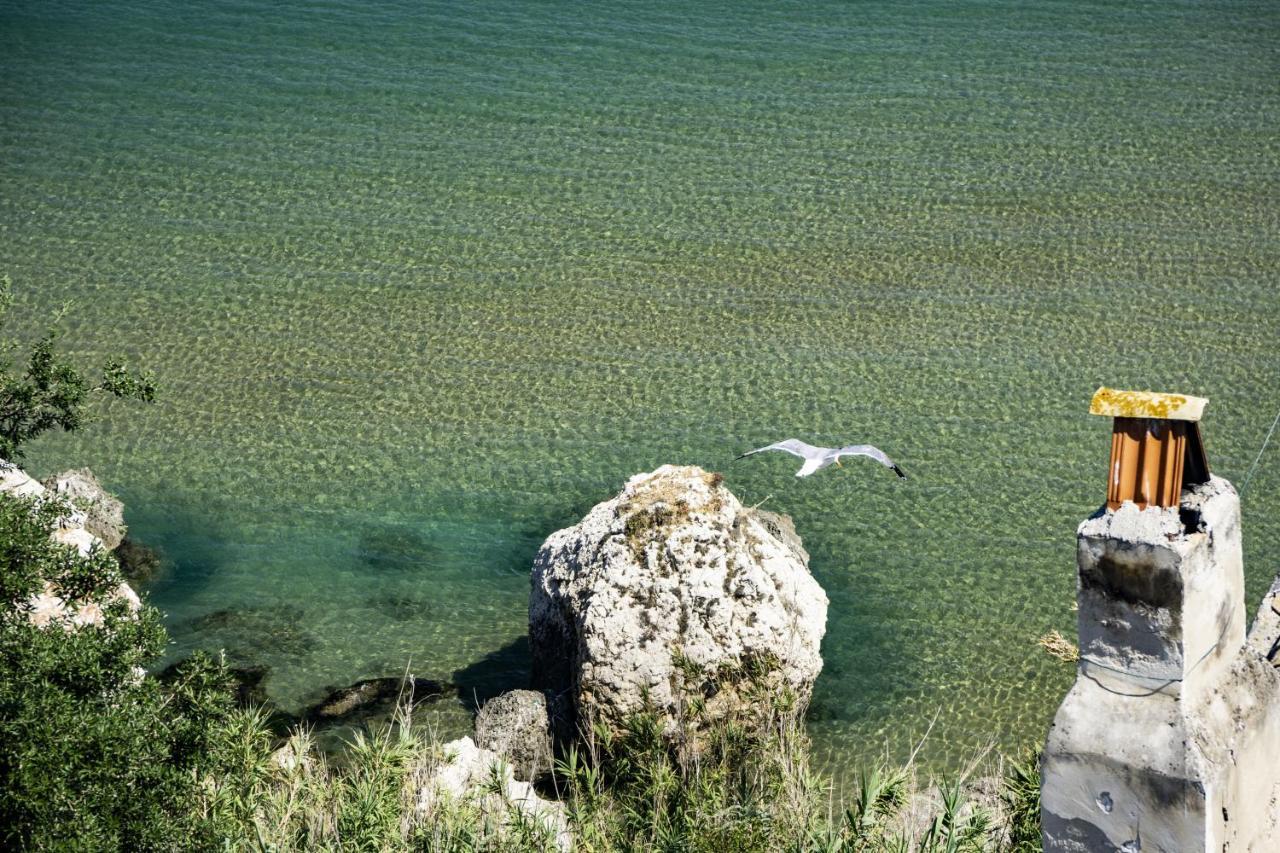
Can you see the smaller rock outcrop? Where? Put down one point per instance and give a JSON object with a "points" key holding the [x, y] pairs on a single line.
{"points": [[466, 773], [671, 583], [49, 608], [104, 512], [517, 726]]}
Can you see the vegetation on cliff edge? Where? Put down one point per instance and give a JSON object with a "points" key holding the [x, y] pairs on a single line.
{"points": [[93, 755]]}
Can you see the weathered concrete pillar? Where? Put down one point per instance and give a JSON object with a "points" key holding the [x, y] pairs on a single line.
{"points": [[1170, 738]]}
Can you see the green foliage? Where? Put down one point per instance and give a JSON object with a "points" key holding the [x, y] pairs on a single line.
{"points": [[1020, 794], [93, 756], [709, 781], [869, 819], [28, 558], [955, 829], [642, 788], [370, 797], [50, 392]]}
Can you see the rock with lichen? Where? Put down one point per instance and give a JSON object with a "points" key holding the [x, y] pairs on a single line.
{"points": [[517, 725], [669, 585], [104, 513]]}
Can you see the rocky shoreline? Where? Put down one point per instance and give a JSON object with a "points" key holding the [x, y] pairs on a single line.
{"points": [[669, 590], [670, 606]]}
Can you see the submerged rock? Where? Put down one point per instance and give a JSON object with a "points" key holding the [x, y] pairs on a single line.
{"points": [[250, 684], [371, 697], [517, 726], [140, 564], [674, 580], [250, 634], [104, 512]]}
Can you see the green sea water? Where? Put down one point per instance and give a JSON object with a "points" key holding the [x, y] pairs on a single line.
{"points": [[422, 282]]}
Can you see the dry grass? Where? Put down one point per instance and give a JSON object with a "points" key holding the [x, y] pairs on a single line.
{"points": [[743, 785]]}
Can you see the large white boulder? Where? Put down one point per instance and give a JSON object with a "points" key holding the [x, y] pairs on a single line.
{"points": [[671, 579]]}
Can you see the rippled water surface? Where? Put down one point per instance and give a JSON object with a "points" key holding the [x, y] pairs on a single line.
{"points": [[423, 282]]}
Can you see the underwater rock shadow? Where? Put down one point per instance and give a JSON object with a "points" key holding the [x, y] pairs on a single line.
{"points": [[189, 546], [385, 547], [400, 606], [141, 564], [508, 668], [250, 635]]}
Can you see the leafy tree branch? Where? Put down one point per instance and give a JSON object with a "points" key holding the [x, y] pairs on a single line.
{"points": [[50, 392]]}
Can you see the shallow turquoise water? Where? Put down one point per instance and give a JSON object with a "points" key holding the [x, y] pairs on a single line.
{"points": [[425, 281]]}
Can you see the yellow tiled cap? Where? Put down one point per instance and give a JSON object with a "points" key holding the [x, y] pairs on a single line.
{"points": [[1146, 404]]}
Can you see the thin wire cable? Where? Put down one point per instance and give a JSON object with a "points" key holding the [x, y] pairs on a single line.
{"points": [[1254, 466]]}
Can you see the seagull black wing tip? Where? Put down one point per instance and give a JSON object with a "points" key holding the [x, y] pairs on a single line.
{"points": [[898, 471]]}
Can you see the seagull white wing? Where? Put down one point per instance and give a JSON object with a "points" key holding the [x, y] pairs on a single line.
{"points": [[794, 446], [872, 452], [809, 466]]}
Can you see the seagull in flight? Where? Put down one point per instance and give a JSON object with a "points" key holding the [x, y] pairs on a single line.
{"points": [[817, 458]]}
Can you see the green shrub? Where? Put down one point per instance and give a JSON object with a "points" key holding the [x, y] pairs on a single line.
{"points": [[707, 781], [1020, 794], [93, 756]]}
